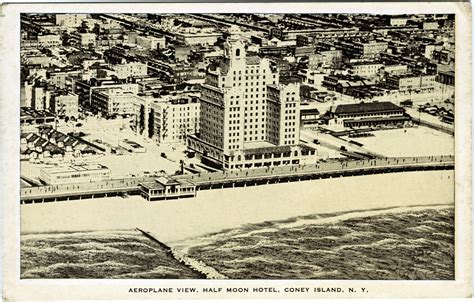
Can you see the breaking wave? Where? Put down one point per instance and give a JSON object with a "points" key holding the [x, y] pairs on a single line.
{"points": [[414, 243], [411, 243], [104, 254]]}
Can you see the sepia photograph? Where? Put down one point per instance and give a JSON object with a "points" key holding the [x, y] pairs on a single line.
{"points": [[239, 146]]}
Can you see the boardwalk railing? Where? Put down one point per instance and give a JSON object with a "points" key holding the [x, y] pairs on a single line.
{"points": [[209, 180], [445, 129], [327, 166]]}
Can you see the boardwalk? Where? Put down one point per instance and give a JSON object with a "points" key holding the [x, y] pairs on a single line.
{"points": [[244, 177], [330, 166]]}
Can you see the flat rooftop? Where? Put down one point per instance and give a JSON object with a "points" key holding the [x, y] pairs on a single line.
{"points": [[74, 168]]}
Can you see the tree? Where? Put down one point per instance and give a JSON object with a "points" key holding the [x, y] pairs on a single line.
{"points": [[141, 125], [151, 129]]}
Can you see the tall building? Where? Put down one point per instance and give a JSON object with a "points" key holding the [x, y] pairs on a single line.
{"points": [[70, 20], [65, 104], [111, 100], [246, 115], [167, 119]]}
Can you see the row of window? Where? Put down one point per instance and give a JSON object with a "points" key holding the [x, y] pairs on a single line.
{"points": [[256, 126], [184, 114], [248, 78], [249, 138]]}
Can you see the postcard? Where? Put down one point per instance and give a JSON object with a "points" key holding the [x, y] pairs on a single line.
{"points": [[236, 151]]}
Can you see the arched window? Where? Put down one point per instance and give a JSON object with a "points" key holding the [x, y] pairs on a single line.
{"points": [[237, 52]]}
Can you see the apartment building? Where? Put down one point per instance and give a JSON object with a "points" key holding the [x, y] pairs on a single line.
{"points": [[365, 70], [132, 69], [114, 99], [410, 82], [46, 41], [65, 104], [168, 119], [70, 20]]}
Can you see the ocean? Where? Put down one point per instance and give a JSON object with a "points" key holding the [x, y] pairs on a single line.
{"points": [[102, 254], [400, 243]]}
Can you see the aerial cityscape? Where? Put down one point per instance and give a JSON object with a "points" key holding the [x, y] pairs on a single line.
{"points": [[237, 146]]}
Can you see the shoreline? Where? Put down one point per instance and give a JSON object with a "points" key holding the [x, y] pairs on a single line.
{"points": [[216, 210], [183, 246]]}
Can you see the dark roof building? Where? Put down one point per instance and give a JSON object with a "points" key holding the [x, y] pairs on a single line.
{"points": [[370, 115], [363, 108]]}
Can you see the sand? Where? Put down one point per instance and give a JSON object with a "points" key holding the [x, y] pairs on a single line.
{"points": [[215, 210]]}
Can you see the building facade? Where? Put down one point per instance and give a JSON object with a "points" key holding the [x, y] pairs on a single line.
{"points": [[70, 20], [368, 115], [168, 119], [74, 174], [132, 69], [197, 38], [408, 83], [114, 100], [66, 105], [151, 42], [365, 70], [247, 117], [46, 41]]}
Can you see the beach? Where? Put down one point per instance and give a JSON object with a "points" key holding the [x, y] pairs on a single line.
{"points": [[217, 210]]}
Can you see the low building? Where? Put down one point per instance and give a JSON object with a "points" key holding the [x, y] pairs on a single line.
{"points": [[398, 21], [181, 53], [411, 83], [368, 115], [46, 41], [431, 25], [365, 70], [74, 174], [395, 69], [309, 116], [197, 38], [132, 69], [84, 39], [164, 188], [362, 50], [30, 116], [150, 42], [446, 77], [324, 59]]}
